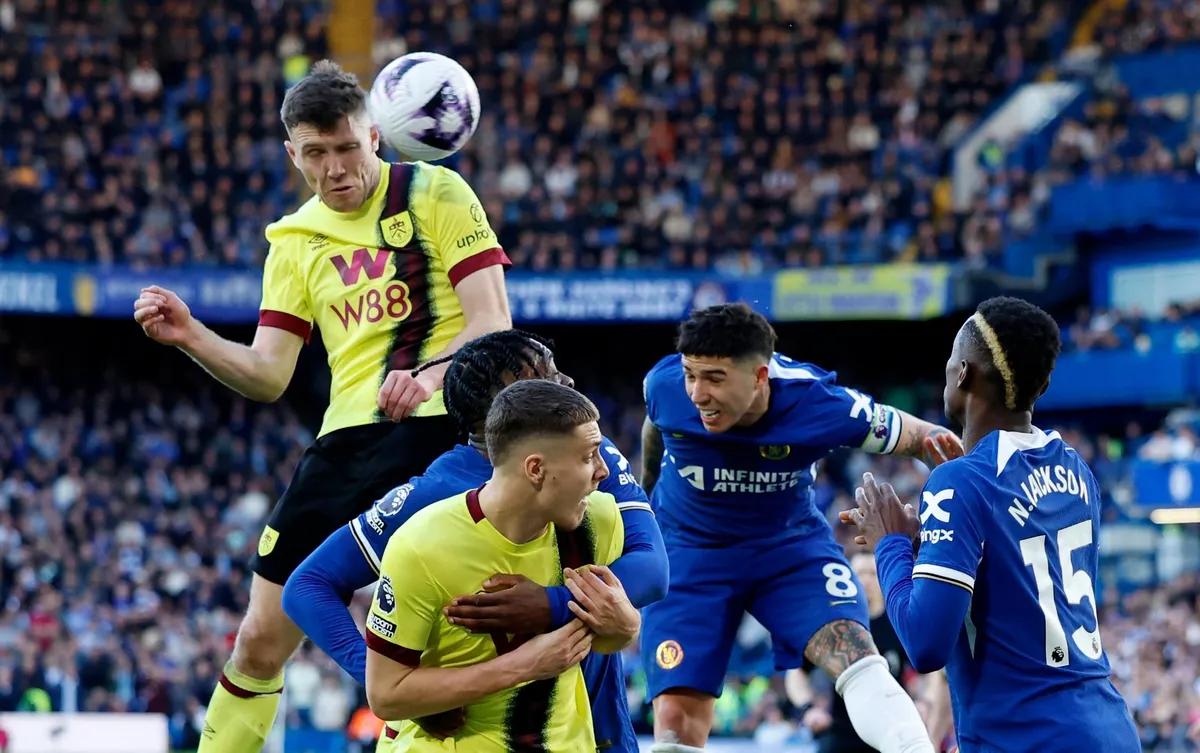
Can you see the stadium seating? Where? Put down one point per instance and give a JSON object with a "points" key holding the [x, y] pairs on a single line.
{"points": [[609, 138]]}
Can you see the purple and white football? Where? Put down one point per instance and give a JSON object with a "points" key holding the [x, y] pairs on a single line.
{"points": [[425, 105]]}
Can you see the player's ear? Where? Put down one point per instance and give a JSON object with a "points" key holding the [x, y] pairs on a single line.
{"points": [[761, 374], [374, 138], [535, 470], [1045, 387], [964, 375], [291, 150]]}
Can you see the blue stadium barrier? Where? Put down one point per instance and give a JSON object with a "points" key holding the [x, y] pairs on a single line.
{"points": [[1121, 377], [1167, 484]]}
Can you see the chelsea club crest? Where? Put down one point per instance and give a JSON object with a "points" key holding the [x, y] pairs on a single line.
{"points": [[775, 451]]}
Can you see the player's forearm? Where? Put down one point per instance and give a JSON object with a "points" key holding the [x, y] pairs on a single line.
{"points": [[926, 614], [913, 433], [615, 644], [431, 690], [477, 327], [652, 452], [242, 368]]}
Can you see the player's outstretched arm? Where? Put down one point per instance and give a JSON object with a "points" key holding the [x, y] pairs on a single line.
{"points": [[403, 690], [652, 452], [260, 371], [485, 308], [927, 442], [316, 595]]}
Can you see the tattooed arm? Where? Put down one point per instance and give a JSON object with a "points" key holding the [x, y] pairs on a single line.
{"points": [[929, 443], [652, 452]]}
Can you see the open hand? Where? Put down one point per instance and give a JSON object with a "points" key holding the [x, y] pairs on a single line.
{"points": [[939, 447], [880, 513], [550, 654], [164, 317], [508, 604], [402, 392], [601, 602]]}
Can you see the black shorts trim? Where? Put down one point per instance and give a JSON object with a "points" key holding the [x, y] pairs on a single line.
{"points": [[340, 476]]}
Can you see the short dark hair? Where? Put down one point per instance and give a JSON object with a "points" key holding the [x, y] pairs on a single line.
{"points": [[534, 407], [1022, 342], [477, 370], [728, 330], [322, 98]]}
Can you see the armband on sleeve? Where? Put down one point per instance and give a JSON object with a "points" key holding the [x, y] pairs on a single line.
{"points": [[885, 430]]}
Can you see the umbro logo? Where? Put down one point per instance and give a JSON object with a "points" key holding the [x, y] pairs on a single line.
{"points": [[208, 732]]}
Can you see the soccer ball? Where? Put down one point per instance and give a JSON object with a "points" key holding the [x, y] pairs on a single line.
{"points": [[425, 105]]}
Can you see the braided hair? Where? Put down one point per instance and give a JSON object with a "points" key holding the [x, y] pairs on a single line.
{"points": [[477, 372]]}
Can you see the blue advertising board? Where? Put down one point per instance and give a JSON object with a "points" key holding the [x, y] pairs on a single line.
{"points": [[232, 296], [1167, 484]]}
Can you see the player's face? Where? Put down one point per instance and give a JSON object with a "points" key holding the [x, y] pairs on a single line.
{"points": [[546, 367], [722, 389], [572, 470], [340, 165], [954, 397]]}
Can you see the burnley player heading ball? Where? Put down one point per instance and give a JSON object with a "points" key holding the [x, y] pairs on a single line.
{"points": [[425, 105]]}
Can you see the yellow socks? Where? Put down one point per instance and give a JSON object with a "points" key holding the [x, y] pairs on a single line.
{"points": [[240, 714]]}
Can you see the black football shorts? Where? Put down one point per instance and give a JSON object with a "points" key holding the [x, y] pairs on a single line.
{"points": [[340, 476]]}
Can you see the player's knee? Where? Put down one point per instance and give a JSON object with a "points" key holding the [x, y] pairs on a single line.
{"points": [[266, 638], [683, 718], [839, 645]]}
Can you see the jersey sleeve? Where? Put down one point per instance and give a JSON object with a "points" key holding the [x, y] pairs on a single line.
{"points": [[375, 527], [953, 527], [839, 416], [620, 482], [285, 297], [464, 238], [407, 602]]}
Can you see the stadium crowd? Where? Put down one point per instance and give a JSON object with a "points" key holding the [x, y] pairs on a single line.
{"points": [[614, 134], [129, 511]]}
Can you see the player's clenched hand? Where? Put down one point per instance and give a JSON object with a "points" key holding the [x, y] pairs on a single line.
{"points": [[817, 720], [601, 603], [402, 392], [550, 654], [941, 447], [880, 513], [509, 604], [164, 317], [443, 725]]}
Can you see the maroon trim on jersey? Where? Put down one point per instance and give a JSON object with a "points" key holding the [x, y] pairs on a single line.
{"points": [[286, 322], [390, 733], [473, 505], [481, 260], [239, 692], [398, 654]]}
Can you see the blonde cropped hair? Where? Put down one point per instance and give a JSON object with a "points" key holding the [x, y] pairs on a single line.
{"points": [[999, 359]]}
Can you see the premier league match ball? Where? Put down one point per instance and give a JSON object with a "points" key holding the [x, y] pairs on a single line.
{"points": [[425, 105]]}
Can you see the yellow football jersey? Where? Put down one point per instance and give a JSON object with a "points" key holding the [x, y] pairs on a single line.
{"points": [[449, 549], [378, 282]]}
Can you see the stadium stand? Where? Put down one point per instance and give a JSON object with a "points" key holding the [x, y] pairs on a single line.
{"points": [[616, 136], [151, 138]]}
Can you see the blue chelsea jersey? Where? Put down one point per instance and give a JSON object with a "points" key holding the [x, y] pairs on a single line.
{"points": [[459, 470], [1015, 523], [755, 482]]}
